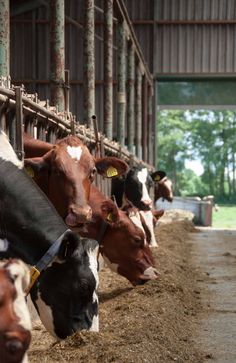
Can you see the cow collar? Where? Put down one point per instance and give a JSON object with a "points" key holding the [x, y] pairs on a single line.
{"points": [[102, 231], [44, 261]]}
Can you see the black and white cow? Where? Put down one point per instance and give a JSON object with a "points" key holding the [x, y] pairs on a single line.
{"points": [[30, 228], [133, 189]]}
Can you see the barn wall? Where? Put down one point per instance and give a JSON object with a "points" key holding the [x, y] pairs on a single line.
{"points": [[186, 36]]}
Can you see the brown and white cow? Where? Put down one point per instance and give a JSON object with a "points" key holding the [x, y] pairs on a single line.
{"points": [[15, 323], [162, 186], [122, 243], [67, 169]]}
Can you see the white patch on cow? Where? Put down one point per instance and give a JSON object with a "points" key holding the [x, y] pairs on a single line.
{"points": [[46, 315], [93, 265], [112, 266], [21, 276], [4, 244], [135, 218], [148, 217], [6, 151], [150, 272], [75, 152], [142, 177]]}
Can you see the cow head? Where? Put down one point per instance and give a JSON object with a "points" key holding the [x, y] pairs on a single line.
{"points": [[123, 246], [163, 186], [65, 294], [136, 186], [65, 174], [15, 324]]}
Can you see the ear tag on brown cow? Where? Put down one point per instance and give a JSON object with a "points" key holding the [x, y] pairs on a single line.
{"points": [[157, 177], [29, 171], [110, 217], [111, 171]]}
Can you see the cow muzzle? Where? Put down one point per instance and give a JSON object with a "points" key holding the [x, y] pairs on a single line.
{"points": [[77, 216], [149, 274]]}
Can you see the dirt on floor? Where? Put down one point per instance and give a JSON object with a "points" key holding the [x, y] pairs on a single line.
{"points": [[152, 323]]}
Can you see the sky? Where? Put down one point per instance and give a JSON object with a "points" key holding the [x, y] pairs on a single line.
{"points": [[194, 165]]}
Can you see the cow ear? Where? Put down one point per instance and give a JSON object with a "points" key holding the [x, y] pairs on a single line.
{"points": [[111, 167], [158, 175], [110, 212], [69, 244], [158, 213], [35, 165]]}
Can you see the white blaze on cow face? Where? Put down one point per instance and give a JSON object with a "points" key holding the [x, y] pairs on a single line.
{"points": [[21, 276], [148, 217], [142, 177], [93, 265], [135, 218], [75, 152], [46, 316], [6, 151]]}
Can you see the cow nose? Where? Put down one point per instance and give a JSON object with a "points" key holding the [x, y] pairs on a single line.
{"points": [[147, 202], [14, 346], [77, 215]]}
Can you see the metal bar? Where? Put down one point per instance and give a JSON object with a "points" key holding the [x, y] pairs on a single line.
{"points": [[108, 68], [195, 22], [130, 108], [138, 112], [124, 15], [4, 38], [89, 61], [149, 158], [145, 125], [121, 89], [57, 53], [67, 90], [19, 124]]}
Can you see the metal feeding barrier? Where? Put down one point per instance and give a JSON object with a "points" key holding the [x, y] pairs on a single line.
{"points": [[20, 111]]}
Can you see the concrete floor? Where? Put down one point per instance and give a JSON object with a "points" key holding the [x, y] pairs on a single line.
{"points": [[214, 253]]}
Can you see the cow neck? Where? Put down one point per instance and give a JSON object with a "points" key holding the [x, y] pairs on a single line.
{"points": [[102, 232], [27, 219]]}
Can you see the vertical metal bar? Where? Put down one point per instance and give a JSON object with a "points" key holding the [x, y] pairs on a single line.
{"points": [[19, 124], [57, 53], [145, 130], [67, 90], [130, 109], [108, 68], [152, 157], [89, 62], [4, 38], [121, 96], [138, 112], [155, 127]]}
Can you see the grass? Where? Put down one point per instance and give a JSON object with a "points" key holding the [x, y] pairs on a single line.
{"points": [[225, 217]]}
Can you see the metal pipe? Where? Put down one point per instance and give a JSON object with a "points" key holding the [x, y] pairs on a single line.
{"points": [[138, 112], [145, 125], [130, 90], [4, 38], [89, 62], [121, 88], [152, 127], [108, 68], [57, 53], [19, 124]]}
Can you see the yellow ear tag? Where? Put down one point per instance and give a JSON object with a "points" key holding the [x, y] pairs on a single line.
{"points": [[110, 217], [157, 178], [111, 171], [34, 274], [29, 171]]}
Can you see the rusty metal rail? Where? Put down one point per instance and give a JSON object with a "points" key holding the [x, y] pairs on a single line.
{"points": [[45, 122]]}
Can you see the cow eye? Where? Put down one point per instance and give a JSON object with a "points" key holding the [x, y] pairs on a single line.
{"points": [[138, 241], [92, 174]]}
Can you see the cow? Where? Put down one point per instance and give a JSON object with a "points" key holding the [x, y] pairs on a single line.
{"points": [[122, 243], [15, 322], [133, 188], [65, 266], [68, 168], [162, 186]]}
